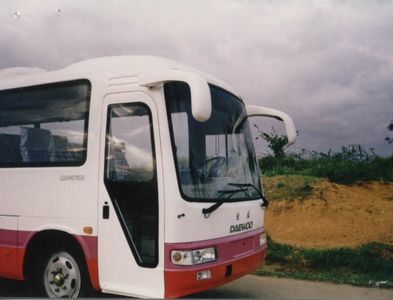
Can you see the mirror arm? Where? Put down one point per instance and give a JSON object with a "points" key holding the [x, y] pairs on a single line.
{"points": [[201, 106]]}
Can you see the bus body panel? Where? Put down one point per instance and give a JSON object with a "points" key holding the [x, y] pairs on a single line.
{"points": [[118, 270]]}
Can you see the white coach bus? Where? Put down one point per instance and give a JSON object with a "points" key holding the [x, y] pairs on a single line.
{"points": [[129, 175]]}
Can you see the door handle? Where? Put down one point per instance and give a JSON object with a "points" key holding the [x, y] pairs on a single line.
{"points": [[105, 211]]}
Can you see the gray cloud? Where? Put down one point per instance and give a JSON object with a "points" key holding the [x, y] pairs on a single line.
{"points": [[328, 64]]}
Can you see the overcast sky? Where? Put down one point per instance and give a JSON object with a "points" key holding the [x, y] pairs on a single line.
{"points": [[329, 64]]}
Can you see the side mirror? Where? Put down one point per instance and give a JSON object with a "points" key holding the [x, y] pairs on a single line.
{"points": [[201, 104], [253, 110]]}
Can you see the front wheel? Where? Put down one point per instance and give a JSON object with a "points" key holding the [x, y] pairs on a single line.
{"points": [[63, 276]]}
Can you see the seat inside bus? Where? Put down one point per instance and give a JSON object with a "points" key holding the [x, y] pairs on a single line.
{"points": [[35, 145], [9, 148]]}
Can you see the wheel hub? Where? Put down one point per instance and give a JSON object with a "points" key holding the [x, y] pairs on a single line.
{"points": [[59, 278]]}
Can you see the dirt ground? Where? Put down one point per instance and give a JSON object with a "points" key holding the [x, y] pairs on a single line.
{"points": [[331, 215]]}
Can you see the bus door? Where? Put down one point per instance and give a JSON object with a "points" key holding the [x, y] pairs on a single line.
{"points": [[130, 236]]}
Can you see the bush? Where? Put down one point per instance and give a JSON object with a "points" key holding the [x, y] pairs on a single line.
{"points": [[372, 258], [278, 253], [290, 187], [348, 166]]}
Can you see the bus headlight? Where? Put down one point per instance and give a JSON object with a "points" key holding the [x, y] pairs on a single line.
{"points": [[262, 239], [193, 257]]}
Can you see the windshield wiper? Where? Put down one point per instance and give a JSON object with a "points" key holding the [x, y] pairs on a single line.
{"points": [[241, 187], [265, 202], [229, 193]]}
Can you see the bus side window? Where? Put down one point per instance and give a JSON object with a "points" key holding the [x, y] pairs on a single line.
{"points": [[44, 125]]}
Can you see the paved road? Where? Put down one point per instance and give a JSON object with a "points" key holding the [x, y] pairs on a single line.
{"points": [[257, 287], [270, 288]]}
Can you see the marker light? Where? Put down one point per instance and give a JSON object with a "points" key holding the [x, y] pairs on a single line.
{"points": [[207, 274], [262, 239], [193, 257]]}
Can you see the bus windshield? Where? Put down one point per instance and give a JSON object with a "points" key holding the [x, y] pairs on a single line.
{"points": [[215, 160]]}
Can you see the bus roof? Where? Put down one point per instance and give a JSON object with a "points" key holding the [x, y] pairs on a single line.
{"points": [[108, 67]]}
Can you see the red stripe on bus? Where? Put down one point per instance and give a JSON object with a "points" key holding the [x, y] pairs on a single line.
{"points": [[11, 255], [92, 266], [10, 263], [89, 246], [8, 236]]}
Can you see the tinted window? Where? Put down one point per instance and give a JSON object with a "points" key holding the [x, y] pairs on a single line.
{"points": [[130, 178], [214, 159], [44, 125]]}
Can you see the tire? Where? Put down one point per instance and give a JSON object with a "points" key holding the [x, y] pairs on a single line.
{"points": [[63, 274]]}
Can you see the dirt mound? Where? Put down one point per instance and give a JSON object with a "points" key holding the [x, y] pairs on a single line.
{"points": [[326, 215]]}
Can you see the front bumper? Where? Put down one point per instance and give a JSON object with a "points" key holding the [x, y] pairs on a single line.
{"points": [[238, 255]]}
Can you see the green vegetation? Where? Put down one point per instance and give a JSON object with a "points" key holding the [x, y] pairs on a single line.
{"points": [[390, 128], [350, 165], [289, 187], [276, 142], [367, 265]]}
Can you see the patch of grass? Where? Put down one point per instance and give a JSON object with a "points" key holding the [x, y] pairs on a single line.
{"points": [[367, 265], [350, 165], [289, 187], [338, 276]]}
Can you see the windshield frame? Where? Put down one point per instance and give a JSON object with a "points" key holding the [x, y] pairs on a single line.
{"points": [[188, 198]]}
